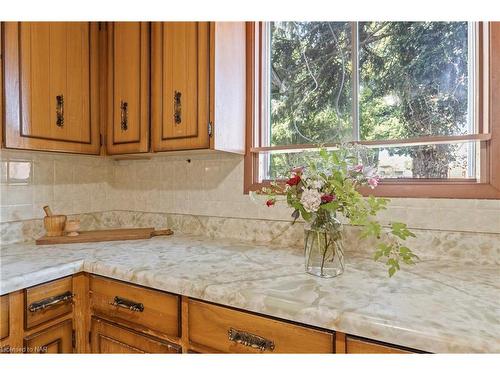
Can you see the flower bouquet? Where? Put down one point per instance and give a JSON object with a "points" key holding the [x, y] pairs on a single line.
{"points": [[325, 190]]}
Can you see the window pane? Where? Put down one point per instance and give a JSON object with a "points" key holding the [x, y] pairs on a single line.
{"points": [[310, 83], [414, 79], [443, 161]]}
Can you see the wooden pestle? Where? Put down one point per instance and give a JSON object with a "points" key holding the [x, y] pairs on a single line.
{"points": [[47, 210]]}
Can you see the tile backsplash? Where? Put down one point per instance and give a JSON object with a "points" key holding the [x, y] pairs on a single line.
{"points": [[201, 183], [68, 183]]}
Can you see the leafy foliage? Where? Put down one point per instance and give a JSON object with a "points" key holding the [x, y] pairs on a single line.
{"points": [[328, 187], [413, 82]]}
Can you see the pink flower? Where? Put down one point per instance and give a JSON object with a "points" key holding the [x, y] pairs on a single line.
{"points": [[270, 202], [358, 168], [373, 181], [297, 170], [327, 198]]}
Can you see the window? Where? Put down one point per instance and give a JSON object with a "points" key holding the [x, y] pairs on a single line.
{"points": [[415, 93]]}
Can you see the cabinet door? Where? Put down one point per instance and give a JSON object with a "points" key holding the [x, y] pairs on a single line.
{"points": [[56, 339], [4, 316], [111, 338], [51, 87], [128, 75], [180, 85]]}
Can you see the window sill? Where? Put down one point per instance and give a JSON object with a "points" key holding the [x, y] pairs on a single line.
{"points": [[420, 189]]}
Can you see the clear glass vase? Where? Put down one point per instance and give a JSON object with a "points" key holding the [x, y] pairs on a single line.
{"points": [[324, 251]]}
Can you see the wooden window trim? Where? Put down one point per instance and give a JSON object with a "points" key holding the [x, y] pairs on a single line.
{"points": [[487, 188]]}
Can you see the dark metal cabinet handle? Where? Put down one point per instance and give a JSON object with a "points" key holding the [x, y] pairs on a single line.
{"points": [[124, 115], [50, 302], [60, 110], [177, 107], [127, 304], [249, 339]]}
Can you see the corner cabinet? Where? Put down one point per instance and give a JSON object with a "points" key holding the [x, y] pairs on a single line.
{"points": [[198, 78], [51, 86], [128, 83]]}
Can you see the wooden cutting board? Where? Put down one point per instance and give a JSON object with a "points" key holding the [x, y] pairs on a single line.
{"points": [[105, 235]]}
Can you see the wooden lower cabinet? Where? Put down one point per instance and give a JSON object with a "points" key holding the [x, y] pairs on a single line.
{"points": [[4, 316], [56, 339], [110, 338], [215, 328], [86, 313], [48, 301], [147, 310], [360, 346]]}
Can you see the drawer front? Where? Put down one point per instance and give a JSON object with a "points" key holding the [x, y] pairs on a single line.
{"points": [[48, 301], [358, 346], [4, 316], [109, 338], [232, 331], [148, 310]]}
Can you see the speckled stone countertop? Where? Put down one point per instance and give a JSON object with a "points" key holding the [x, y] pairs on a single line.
{"points": [[435, 306]]}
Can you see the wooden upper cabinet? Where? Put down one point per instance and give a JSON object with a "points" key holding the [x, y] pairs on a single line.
{"points": [[228, 52], [180, 85], [51, 86], [198, 79], [128, 82]]}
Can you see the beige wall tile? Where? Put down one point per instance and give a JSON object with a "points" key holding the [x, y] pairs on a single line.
{"points": [[211, 185]]}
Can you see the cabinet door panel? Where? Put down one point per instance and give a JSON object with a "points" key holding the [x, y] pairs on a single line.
{"points": [[56, 339], [128, 128], [113, 339], [4, 316], [180, 75], [51, 86], [180, 85]]}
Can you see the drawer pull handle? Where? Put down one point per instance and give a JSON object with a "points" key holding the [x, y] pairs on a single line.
{"points": [[127, 304], [249, 339], [50, 302], [124, 115], [60, 110], [177, 107]]}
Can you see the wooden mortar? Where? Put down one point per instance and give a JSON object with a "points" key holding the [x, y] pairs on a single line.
{"points": [[54, 225]]}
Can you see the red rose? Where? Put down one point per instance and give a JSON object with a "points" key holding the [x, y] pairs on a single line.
{"points": [[270, 202], [294, 180], [327, 198]]}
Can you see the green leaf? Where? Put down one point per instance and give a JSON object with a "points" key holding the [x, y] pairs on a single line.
{"points": [[392, 271], [324, 154], [372, 228], [401, 230], [377, 255]]}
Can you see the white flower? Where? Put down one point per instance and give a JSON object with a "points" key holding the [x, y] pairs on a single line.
{"points": [[316, 184], [311, 200]]}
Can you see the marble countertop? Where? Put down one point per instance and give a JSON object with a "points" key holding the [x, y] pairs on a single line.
{"points": [[435, 306]]}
